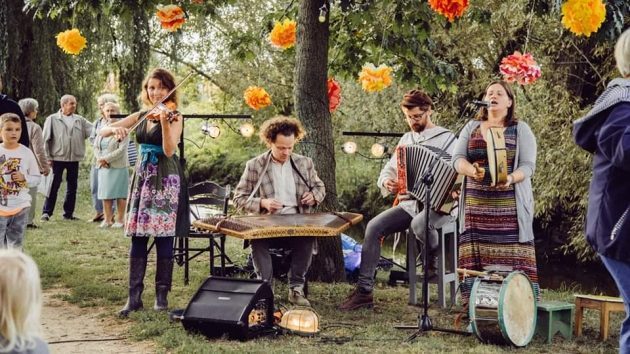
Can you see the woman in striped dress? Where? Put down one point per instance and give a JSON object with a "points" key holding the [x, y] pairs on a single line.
{"points": [[496, 222]]}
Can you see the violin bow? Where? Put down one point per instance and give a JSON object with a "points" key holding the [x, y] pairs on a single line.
{"points": [[144, 116]]}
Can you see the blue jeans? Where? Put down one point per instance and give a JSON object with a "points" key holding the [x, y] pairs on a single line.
{"points": [[98, 204], [620, 271], [12, 229]]}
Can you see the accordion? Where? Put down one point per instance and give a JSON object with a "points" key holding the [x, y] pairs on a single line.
{"points": [[413, 163]]}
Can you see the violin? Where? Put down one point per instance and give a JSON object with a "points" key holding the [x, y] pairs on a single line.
{"points": [[169, 107]]}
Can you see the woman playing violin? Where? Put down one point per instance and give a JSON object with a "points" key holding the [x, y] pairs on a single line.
{"points": [[158, 201]]}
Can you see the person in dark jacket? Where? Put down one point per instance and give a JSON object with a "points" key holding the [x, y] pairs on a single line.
{"points": [[605, 132], [8, 105]]}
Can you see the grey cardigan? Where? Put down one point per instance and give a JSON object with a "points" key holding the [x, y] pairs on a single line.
{"points": [[525, 161]]}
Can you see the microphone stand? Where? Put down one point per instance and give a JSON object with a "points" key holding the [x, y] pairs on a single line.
{"points": [[424, 320]]}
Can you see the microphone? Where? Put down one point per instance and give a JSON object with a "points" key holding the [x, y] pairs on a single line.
{"points": [[480, 103]]}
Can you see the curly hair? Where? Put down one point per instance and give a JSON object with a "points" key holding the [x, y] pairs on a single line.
{"points": [[167, 80], [286, 126]]}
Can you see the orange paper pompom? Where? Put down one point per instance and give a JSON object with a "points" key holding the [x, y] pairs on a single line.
{"points": [[283, 34], [256, 97], [449, 8], [71, 41], [374, 79], [171, 17]]}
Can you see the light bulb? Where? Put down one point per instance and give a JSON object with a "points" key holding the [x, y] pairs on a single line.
{"points": [[349, 147], [212, 130], [322, 13], [247, 130], [377, 150]]}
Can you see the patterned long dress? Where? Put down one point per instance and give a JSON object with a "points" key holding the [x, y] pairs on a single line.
{"points": [[158, 196], [490, 234]]}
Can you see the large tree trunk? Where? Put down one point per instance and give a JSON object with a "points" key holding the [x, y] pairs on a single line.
{"points": [[311, 103], [134, 66]]}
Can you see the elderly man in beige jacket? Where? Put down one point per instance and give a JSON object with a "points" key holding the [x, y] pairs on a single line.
{"points": [[64, 142]]}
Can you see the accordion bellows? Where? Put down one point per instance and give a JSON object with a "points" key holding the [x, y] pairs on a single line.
{"points": [[280, 225], [413, 163]]}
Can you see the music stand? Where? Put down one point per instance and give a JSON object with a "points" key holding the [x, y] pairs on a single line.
{"points": [[424, 320]]}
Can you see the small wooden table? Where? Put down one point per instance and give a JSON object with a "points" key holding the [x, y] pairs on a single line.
{"points": [[604, 304]]}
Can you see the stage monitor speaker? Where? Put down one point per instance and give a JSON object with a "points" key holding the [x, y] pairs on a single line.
{"points": [[240, 308]]}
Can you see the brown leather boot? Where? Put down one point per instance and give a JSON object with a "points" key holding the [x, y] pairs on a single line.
{"points": [[356, 300]]}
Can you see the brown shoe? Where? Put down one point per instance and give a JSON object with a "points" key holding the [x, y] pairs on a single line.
{"points": [[356, 300], [98, 217]]}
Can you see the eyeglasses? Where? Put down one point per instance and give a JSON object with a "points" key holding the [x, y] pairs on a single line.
{"points": [[417, 117]]}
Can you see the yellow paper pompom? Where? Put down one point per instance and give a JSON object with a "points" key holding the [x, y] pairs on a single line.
{"points": [[374, 79], [256, 97], [283, 34], [71, 41], [583, 17]]}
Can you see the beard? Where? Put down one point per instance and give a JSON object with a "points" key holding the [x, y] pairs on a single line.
{"points": [[418, 127]]}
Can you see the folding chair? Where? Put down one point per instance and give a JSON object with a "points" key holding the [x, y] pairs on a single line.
{"points": [[205, 197]]}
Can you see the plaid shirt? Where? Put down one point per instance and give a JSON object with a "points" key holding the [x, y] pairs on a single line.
{"points": [[245, 197]]}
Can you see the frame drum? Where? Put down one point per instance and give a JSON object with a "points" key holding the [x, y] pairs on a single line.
{"points": [[503, 311]]}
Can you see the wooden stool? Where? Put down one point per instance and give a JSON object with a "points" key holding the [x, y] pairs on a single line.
{"points": [[605, 305], [555, 317]]}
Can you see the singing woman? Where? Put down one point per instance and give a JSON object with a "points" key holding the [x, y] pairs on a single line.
{"points": [[158, 201], [496, 221]]}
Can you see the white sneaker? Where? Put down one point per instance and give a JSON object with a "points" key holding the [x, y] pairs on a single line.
{"points": [[117, 225], [104, 225]]}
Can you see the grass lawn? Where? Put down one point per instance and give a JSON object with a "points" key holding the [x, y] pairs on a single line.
{"points": [[92, 264]]}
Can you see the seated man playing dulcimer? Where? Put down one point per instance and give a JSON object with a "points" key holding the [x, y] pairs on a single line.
{"points": [[281, 182]]}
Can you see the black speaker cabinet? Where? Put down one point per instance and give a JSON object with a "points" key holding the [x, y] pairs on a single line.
{"points": [[240, 308]]}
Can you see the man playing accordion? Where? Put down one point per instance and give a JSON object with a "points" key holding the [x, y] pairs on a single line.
{"points": [[417, 108], [281, 182]]}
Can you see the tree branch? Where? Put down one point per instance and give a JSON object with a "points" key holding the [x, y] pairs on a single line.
{"points": [[193, 67]]}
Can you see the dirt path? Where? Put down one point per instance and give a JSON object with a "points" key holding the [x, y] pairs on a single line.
{"points": [[62, 321]]}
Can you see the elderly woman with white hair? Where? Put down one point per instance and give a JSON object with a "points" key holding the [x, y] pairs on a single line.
{"points": [[605, 132], [29, 107], [98, 124]]}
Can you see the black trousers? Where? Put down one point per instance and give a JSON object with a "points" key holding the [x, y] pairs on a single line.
{"points": [[72, 178]]}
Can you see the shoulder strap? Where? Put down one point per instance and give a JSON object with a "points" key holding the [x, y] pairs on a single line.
{"points": [[310, 188]]}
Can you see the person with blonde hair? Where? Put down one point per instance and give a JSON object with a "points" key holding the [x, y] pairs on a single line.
{"points": [[605, 132], [20, 304], [281, 182]]}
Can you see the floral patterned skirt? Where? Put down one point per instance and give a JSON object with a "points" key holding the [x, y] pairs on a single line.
{"points": [[158, 200]]}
